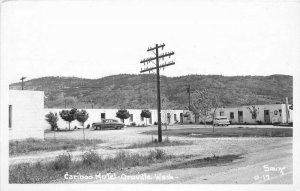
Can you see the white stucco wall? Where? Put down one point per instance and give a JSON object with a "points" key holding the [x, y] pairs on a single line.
{"points": [[27, 114], [247, 116], [95, 116]]}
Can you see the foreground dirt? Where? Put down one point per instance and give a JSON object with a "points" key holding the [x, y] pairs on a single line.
{"points": [[257, 157]]}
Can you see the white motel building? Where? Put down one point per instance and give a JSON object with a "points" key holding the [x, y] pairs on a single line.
{"points": [[27, 115]]}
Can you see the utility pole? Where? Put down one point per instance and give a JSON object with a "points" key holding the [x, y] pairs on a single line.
{"points": [[189, 92], [92, 102], [287, 109], [157, 67], [23, 78]]}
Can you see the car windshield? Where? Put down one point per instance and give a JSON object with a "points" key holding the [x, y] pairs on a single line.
{"points": [[109, 120]]}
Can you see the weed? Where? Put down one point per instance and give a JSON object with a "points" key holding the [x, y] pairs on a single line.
{"points": [[90, 157], [62, 162]]}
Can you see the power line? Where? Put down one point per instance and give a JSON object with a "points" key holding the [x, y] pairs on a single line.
{"points": [[157, 67]]}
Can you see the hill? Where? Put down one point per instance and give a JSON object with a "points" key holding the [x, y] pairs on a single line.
{"points": [[139, 91]]}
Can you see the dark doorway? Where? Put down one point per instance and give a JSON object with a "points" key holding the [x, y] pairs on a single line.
{"points": [[102, 115], [267, 116], [169, 118], [240, 116], [181, 117]]}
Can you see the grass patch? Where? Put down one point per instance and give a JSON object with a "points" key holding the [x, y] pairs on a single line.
{"points": [[90, 162], [228, 132], [34, 145], [166, 143]]}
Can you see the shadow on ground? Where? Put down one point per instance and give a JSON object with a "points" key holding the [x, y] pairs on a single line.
{"points": [[202, 162]]}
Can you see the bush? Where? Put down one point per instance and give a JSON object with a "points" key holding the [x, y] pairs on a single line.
{"points": [[259, 122], [22, 173], [133, 124], [52, 119], [62, 162], [90, 157], [157, 154], [155, 123]]}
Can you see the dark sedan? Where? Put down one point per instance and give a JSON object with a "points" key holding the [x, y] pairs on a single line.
{"points": [[108, 124]]}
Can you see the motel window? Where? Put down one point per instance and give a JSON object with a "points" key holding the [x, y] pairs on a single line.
{"points": [[175, 117], [231, 115], [131, 117], [10, 116], [221, 113]]}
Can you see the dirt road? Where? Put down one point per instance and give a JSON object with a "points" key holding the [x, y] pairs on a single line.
{"points": [[264, 165]]}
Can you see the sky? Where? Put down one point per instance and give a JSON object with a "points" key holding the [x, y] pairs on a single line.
{"points": [[92, 39]]}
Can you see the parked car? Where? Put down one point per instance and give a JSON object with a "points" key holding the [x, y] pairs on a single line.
{"points": [[108, 124], [221, 120]]}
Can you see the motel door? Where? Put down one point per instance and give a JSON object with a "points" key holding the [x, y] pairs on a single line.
{"points": [[240, 116], [267, 116], [181, 117], [102, 115]]}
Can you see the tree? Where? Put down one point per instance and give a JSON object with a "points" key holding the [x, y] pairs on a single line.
{"points": [[52, 119], [146, 114], [68, 115], [122, 114], [254, 111], [82, 116], [204, 105], [201, 104]]}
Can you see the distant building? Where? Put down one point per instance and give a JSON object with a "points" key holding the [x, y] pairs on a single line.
{"points": [[26, 114], [267, 114]]}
